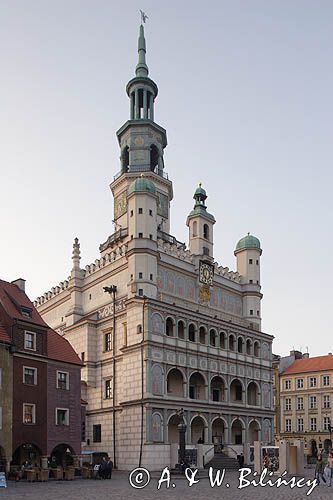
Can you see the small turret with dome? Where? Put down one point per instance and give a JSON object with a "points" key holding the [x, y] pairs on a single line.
{"points": [[248, 251], [200, 224]]}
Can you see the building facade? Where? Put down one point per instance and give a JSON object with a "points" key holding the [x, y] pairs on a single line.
{"points": [[42, 375], [159, 325], [306, 398], [6, 398]]}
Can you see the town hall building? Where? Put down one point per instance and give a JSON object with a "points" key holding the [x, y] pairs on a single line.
{"points": [[158, 324]]}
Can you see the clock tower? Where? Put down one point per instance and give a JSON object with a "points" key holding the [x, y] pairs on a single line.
{"points": [[142, 142]]}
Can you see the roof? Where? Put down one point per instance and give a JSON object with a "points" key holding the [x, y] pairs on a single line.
{"points": [[58, 348], [306, 365], [13, 299], [4, 337], [249, 241]]}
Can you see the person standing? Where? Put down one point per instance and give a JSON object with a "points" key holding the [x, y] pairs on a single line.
{"points": [[319, 470], [330, 468], [109, 467]]}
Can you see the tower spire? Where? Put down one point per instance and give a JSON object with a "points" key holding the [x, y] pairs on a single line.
{"points": [[141, 69]]}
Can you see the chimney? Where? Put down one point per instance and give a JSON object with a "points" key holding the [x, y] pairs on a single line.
{"points": [[306, 355], [20, 283]]}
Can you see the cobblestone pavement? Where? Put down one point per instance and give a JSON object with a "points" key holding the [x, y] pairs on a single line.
{"points": [[119, 488]]}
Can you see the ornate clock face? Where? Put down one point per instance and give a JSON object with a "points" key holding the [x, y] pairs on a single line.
{"points": [[120, 205], [206, 273]]}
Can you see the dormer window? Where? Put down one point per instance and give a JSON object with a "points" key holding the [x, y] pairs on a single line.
{"points": [[30, 341], [26, 312]]}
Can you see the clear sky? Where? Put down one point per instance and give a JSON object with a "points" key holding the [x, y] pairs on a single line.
{"points": [[245, 93]]}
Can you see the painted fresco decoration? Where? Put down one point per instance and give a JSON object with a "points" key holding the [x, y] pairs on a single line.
{"points": [[120, 205], [162, 205]]}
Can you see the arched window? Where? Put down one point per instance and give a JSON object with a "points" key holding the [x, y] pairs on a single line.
{"points": [[181, 329], [236, 391], [154, 155], [202, 335], [248, 347], [169, 327], [222, 340], [256, 349], [195, 228], [231, 342], [212, 337], [240, 345], [125, 159], [191, 332], [206, 231]]}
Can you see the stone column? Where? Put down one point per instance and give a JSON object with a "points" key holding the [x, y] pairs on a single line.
{"points": [[137, 109], [145, 105], [132, 107], [165, 425], [210, 437], [151, 107], [148, 424]]}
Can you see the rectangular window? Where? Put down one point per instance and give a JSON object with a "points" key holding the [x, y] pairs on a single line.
{"points": [[313, 402], [300, 404], [124, 334], [62, 380], [140, 211], [327, 403], [150, 236], [108, 341], [327, 423], [150, 212], [29, 413], [251, 312], [97, 433], [82, 357], [131, 213], [287, 404], [313, 382], [30, 341], [288, 424], [62, 416], [287, 384], [140, 235], [29, 375], [108, 389], [257, 262], [151, 277], [300, 425], [300, 383], [313, 424], [326, 380], [141, 292], [140, 276], [250, 261]]}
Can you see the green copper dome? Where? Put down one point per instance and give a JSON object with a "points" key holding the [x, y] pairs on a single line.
{"points": [[249, 241], [200, 192], [142, 184]]}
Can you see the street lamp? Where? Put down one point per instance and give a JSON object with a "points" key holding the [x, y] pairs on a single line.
{"points": [[112, 290], [182, 431]]}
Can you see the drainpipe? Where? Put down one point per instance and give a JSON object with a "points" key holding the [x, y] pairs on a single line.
{"points": [[113, 290]]}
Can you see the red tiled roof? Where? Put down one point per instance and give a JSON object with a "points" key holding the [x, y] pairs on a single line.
{"points": [[316, 364], [59, 348], [12, 298], [4, 337]]}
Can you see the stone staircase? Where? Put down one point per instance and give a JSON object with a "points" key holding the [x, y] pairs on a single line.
{"points": [[222, 461]]}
